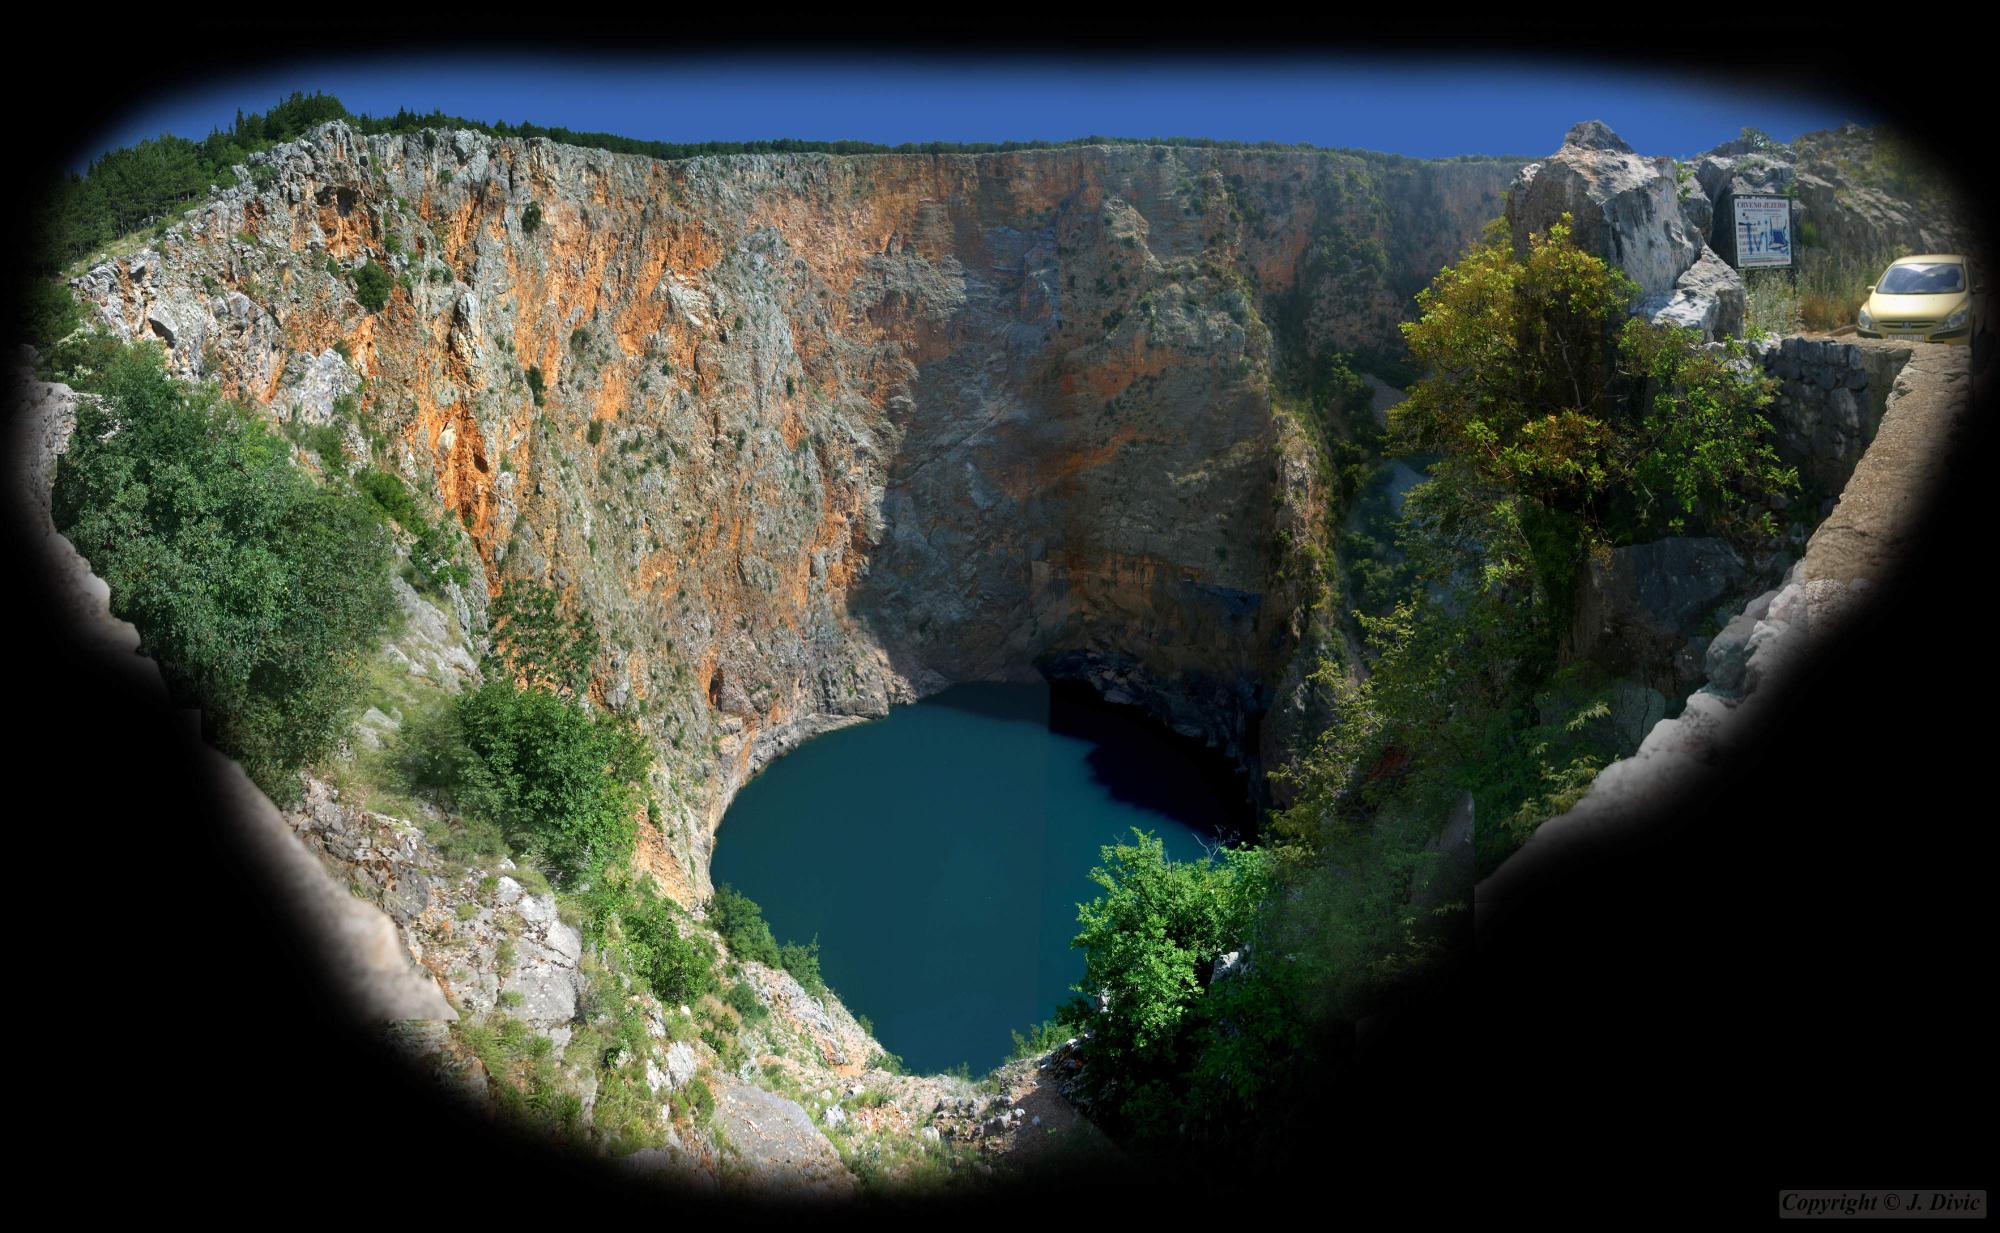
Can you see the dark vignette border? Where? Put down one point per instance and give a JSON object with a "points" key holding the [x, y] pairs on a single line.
{"points": [[1781, 980]]}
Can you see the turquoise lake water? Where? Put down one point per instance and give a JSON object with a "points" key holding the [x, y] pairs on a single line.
{"points": [[940, 854]]}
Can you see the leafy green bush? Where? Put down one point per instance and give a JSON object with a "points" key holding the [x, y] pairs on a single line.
{"points": [[693, 1101], [1150, 942], [49, 312], [1151, 938], [677, 969], [1040, 1039], [741, 923], [371, 286], [802, 961], [744, 999], [531, 218], [325, 440], [562, 784], [259, 592], [535, 385], [433, 556]]}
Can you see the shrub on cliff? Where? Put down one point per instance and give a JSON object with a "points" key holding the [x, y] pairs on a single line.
{"points": [[1580, 441], [371, 286], [533, 640], [1150, 939], [433, 562], [622, 907], [1150, 943], [741, 923], [562, 784], [259, 592], [49, 313]]}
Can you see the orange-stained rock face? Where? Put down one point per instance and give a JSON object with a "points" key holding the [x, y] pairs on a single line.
{"points": [[822, 433]]}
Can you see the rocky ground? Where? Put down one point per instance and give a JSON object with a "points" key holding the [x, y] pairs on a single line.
{"points": [[550, 1031]]}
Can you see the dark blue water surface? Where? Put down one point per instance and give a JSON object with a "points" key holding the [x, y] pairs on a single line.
{"points": [[939, 854]]}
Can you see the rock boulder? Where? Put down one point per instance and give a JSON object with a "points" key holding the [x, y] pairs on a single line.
{"points": [[1629, 210]]}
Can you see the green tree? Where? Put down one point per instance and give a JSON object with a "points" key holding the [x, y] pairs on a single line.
{"points": [[562, 783], [1551, 436], [1149, 942], [1176, 1062], [259, 592]]}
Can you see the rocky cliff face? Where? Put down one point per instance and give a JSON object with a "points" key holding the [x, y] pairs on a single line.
{"points": [[809, 435], [1857, 196]]}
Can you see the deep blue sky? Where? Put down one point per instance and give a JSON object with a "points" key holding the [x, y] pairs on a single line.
{"points": [[1424, 108]]}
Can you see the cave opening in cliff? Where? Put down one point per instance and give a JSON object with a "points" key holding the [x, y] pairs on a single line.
{"points": [[938, 855]]}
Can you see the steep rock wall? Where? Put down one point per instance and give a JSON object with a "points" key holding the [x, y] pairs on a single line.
{"points": [[817, 434]]}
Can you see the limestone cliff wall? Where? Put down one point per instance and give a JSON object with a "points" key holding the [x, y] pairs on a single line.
{"points": [[816, 434]]}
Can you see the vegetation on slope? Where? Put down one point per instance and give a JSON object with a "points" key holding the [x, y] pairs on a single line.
{"points": [[523, 759], [259, 591], [1557, 432], [741, 923], [261, 586]]}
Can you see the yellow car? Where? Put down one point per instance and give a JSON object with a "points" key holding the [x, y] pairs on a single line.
{"points": [[1923, 299]]}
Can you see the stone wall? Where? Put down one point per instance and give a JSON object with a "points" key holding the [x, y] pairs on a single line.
{"points": [[1831, 396]]}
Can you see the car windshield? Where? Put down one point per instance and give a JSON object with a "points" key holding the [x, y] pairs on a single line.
{"points": [[1937, 279]]}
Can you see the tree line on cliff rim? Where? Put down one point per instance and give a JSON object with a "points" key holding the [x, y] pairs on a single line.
{"points": [[1559, 428], [150, 182]]}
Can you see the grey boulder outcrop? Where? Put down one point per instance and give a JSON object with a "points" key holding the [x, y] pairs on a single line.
{"points": [[1629, 210], [1643, 603]]}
